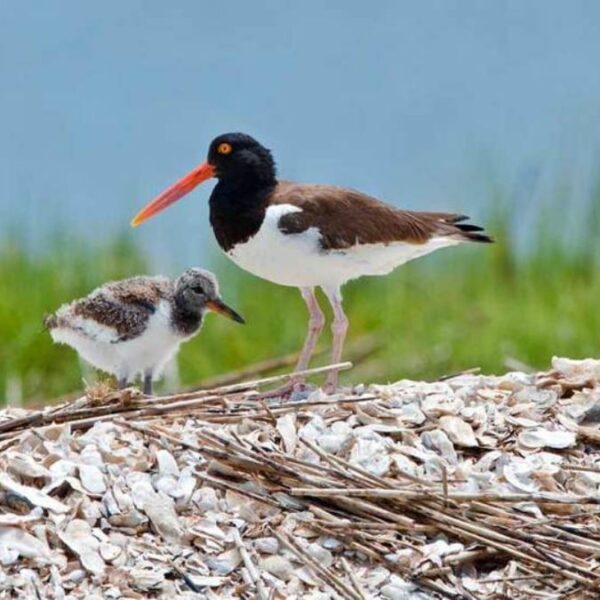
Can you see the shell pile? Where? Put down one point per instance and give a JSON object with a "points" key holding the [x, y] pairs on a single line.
{"points": [[472, 487]]}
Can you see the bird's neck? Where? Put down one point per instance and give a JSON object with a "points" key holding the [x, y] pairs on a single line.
{"points": [[237, 209], [246, 184], [185, 319]]}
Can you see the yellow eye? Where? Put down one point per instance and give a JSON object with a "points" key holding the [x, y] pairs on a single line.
{"points": [[224, 148]]}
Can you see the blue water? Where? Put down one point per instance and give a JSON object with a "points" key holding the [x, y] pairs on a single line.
{"points": [[425, 104]]}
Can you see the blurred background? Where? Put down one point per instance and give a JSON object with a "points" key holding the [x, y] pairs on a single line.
{"points": [[487, 108]]}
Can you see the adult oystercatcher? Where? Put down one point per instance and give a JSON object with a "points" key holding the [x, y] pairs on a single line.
{"points": [[137, 325], [308, 236]]}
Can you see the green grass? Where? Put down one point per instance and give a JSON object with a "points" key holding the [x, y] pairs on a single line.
{"points": [[476, 305]]}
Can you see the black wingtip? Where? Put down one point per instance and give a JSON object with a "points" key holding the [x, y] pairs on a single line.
{"points": [[481, 238], [471, 233], [467, 227]]}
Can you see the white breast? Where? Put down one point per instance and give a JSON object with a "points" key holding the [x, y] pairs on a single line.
{"points": [[298, 259], [151, 350]]}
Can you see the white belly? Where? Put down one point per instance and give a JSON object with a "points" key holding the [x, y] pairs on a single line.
{"points": [[298, 260], [150, 351]]}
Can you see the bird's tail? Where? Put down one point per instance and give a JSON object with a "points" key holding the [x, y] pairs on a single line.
{"points": [[50, 322], [472, 233], [464, 231]]}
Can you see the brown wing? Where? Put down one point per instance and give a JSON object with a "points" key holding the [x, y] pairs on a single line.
{"points": [[141, 291], [127, 321], [347, 218]]}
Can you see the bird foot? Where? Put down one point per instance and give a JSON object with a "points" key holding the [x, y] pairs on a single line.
{"points": [[330, 386], [286, 390], [127, 397]]}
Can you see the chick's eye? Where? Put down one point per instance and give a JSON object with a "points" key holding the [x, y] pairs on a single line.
{"points": [[198, 290], [224, 148]]}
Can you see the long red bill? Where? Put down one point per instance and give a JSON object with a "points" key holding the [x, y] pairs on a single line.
{"points": [[184, 186]]}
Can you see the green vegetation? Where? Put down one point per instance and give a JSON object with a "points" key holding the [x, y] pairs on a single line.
{"points": [[464, 307]]}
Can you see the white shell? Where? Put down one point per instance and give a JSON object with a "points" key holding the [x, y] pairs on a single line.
{"points": [[109, 552], [207, 580], [225, 562], [25, 466], [266, 545], [205, 498], [147, 579], [320, 554], [459, 432], [167, 465], [78, 537], [438, 440], [544, 438], [286, 426], [92, 479], [158, 507], [372, 455], [278, 566], [15, 542], [331, 442], [33, 495], [588, 369]]}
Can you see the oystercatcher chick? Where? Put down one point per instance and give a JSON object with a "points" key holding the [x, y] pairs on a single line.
{"points": [[308, 236], [135, 326]]}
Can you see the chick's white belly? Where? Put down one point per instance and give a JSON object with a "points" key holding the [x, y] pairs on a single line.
{"points": [[298, 259], [151, 350]]}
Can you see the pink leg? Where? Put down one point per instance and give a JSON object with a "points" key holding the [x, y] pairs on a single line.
{"points": [[315, 326], [339, 327]]}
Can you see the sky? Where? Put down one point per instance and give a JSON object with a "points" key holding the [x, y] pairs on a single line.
{"points": [[424, 104]]}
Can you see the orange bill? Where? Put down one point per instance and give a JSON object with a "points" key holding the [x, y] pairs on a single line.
{"points": [[177, 191], [220, 307]]}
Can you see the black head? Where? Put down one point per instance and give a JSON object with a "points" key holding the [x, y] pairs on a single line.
{"points": [[242, 165], [197, 290], [237, 156]]}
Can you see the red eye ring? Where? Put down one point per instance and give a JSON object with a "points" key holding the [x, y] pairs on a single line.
{"points": [[224, 148]]}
